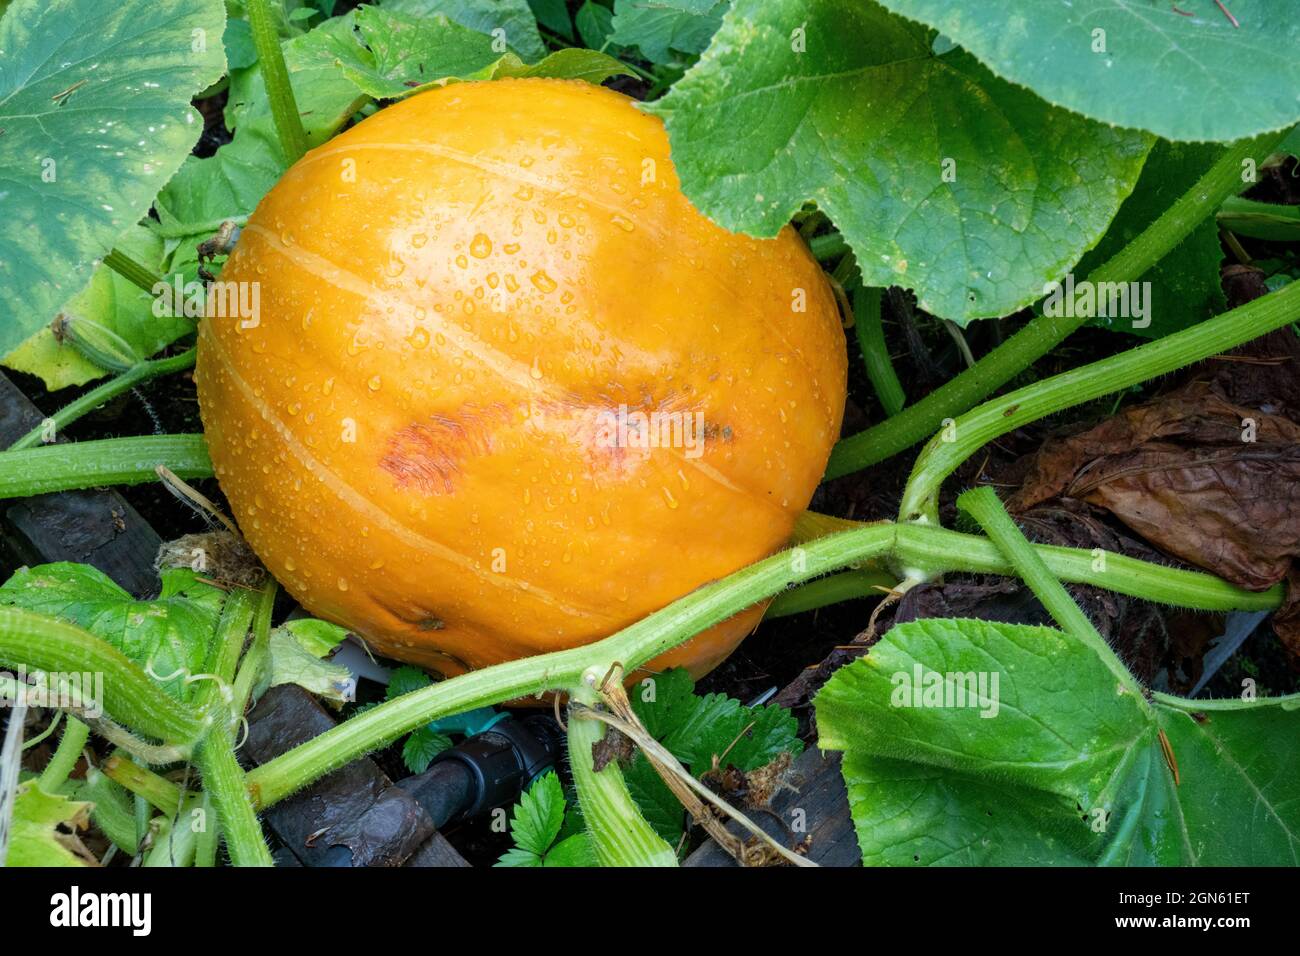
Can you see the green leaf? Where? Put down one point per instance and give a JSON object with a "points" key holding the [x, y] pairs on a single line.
{"points": [[517, 857], [574, 852], [292, 662], [660, 27], [696, 729], [572, 64], [112, 302], [1185, 286], [663, 811], [538, 815], [664, 702], [554, 15], [169, 636], [1291, 145], [511, 16], [595, 24], [1049, 762], [34, 838], [238, 40], [94, 104], [394, 56], [539, 819], [405, 679], [421, 747], [316, 637], [1198, 77], [941, 177]]}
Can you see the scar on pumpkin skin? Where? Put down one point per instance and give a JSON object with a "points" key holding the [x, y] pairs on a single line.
{"points": [[429, 455]]}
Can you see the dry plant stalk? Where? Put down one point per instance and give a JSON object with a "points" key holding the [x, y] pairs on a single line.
{"points": [[700, 802]]}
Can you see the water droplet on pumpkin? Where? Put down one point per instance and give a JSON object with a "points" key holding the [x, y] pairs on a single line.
{"points": [[290, 565], [343, 584], [328, 387], [536, 370], [375, 383], [419, 337], [622, 222], [668, 497], [542, 281], [480, 247]]}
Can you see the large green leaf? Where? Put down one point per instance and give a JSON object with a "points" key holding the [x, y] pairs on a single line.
{"points": [[513, 17], [1198, 77], [169, 636], [942, 178], [109, 301], [1185, 286], [1052, 763], [94, 105], [660, 27]]}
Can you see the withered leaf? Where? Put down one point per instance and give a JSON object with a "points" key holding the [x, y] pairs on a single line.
{"points": [[1209, 473]]}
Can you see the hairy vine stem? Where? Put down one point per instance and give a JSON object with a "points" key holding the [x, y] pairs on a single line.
{"points": [[875, 352], [109, 461], [98, 396], [983, 505], [66, 755], [130, 696], [223, 780], [620, 835], [914, 546], [1000, 415], [275, 76]]}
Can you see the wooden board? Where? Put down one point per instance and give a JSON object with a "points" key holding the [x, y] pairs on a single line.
{"points": [[816, 808], [356, 807], [96, 527]]}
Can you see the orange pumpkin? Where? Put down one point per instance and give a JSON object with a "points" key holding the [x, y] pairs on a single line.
{"points": [[508, 391]]}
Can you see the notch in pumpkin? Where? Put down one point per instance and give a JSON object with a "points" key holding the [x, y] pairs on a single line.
{"points": [[457, 297]]}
